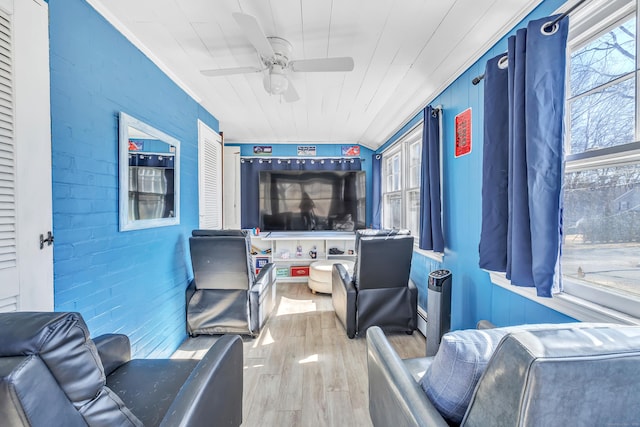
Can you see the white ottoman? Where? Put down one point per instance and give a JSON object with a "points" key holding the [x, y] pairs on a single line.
{"points": [[320, 274]]}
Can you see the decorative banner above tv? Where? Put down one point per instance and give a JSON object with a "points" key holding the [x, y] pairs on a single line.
{"points": [[136, 145], [262, 150], [306, 150], [463, 133], [351, 150]]}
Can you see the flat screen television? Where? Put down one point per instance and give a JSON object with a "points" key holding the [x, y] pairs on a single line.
{"points": [[312, 200]]}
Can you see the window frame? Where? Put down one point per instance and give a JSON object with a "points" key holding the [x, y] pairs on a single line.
{"points": [[588, 24], [402, 148]]}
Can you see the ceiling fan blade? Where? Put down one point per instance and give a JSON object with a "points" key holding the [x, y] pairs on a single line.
{"points": [[291, 95], [323, 64], [253, 32], [229, 71]]}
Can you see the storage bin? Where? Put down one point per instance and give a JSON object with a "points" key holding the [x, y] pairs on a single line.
{"points": [[261, 262], [299, 271], [282, 271]]}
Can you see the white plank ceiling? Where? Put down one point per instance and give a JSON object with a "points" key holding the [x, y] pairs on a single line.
{"points": [[405, 53]]}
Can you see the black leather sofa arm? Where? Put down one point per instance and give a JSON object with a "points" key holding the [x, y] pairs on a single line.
{"points": [[212, 394], [343, 295], [114, 350], [191, 289], [261, 298], [395, 398], [413, 292], [264, 278]]}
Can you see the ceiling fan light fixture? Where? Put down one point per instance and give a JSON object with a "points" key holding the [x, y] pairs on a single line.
{"points": [[275, 57], [275, 81]]}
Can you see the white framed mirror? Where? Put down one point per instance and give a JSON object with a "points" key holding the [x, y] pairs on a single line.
{"points": [[149, 172]]}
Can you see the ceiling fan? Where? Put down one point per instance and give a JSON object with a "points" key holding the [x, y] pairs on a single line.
{"points": [[275, 55]]}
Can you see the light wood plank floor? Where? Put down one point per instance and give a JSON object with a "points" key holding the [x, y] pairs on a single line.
{"points": [[303, 370]]}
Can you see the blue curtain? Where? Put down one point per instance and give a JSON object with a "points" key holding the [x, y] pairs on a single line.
{"points": [[345, 165], [520, 256], [431, 236], [313, 164], [529, 251], [376, 185], [495, 173], [249, 190], [250, 179]]}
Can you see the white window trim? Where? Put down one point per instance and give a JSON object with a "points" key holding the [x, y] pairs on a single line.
{"points": [[570, 305], [401, 146], [436, 256]]}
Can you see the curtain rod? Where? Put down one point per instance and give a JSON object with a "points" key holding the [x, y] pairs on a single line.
{"points": [[479, 78], [437, 110], [301, 158]]}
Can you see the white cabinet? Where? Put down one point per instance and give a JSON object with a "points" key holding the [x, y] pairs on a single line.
{"points": [[292, 252]]}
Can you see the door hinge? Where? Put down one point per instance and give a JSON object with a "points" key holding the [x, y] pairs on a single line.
{"points": [[48, 240]]}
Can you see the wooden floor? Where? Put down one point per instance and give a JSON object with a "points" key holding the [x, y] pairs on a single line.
{"points": [[303, 370]]}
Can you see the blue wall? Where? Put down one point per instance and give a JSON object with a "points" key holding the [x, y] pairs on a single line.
{"points": [[474, 297], [131, 282], [322, 150]]}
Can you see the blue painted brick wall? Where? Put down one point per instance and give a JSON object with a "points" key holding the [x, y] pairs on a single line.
{"points": [[130, 282], [474, 297]]}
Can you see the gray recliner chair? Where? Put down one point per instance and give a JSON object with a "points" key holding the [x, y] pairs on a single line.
{"points": [[576, 374], [380, 292], [225, 296], [53, 374]]}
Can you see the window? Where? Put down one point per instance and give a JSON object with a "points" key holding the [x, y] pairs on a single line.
{"points": [[601, 244], [392, 165], [401, 177]]}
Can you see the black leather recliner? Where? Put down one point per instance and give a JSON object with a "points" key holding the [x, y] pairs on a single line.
{"points": [[53, 374], [380, 292], [225, 296]]}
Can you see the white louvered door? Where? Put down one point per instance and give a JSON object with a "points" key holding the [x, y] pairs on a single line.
{"points": [[26, 271], [10, 289], [209, 177]]}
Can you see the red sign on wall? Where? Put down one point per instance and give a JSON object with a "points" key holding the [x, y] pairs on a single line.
{"points": [[463, 133]]}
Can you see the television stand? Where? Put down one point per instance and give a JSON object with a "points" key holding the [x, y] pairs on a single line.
{"points": [[292, 251]]}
